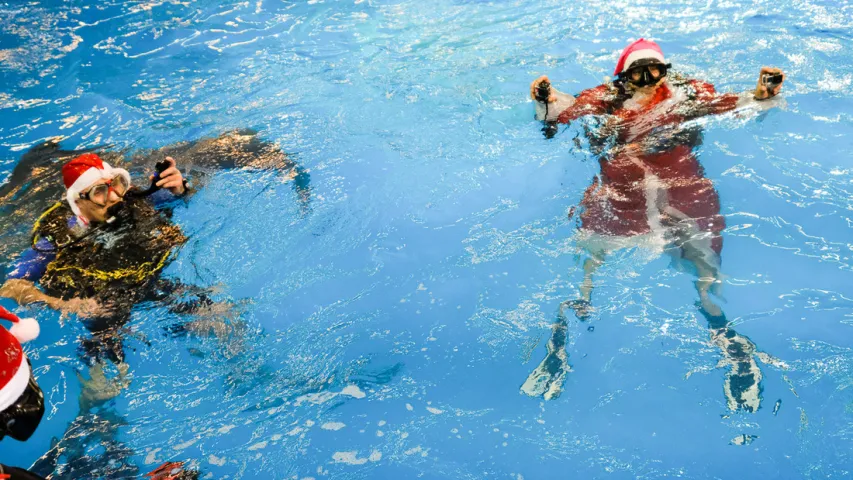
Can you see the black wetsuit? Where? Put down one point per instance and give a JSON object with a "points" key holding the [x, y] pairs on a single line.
{"points": [[117, 265]]}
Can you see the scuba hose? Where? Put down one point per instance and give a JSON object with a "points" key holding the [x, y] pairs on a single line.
{"points": [[160, 167]]}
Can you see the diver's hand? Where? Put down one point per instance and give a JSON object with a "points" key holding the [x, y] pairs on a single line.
{"points": [[551, 98], [82, 307], [171, 178], [761, 90]]}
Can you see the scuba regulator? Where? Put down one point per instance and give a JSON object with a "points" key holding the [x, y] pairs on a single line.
{"points": [[543, 91]]}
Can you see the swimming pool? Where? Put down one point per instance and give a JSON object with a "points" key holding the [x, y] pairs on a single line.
{"points": [[393, 322]]}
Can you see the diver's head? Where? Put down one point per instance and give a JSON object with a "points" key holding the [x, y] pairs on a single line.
{"points": [[94, 187], [641, 67], [21, 399]]}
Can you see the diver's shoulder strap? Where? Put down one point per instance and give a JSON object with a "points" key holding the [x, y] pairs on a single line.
{"points": [[53, 225]]}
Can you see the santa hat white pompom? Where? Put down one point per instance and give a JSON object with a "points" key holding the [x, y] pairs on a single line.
{"points": [[25, 329]]}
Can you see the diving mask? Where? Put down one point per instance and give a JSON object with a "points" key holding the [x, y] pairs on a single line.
{"points": [[645, 72]]}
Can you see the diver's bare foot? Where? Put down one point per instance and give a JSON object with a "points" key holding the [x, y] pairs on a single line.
{"points": [[98, 388]]}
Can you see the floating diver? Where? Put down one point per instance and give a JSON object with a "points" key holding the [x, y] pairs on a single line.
{"points": [[651, 193]]}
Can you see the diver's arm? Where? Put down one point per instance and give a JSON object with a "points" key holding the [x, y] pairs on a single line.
{"points": [[714, 103], [592, 101], [25, 292]]}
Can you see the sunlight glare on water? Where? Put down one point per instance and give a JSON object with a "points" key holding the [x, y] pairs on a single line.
{"points": [[390, 325]]}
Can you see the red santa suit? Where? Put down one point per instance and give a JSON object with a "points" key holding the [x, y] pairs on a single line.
{"points": [[651, 180]]}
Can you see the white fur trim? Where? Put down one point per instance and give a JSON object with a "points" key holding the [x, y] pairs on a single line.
{"points": [[640, 55], [25, 329], [88, 178], [15, 387]]}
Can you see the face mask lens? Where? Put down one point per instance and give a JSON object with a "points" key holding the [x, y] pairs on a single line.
{"points": [[646, 75], [99, 193], [119, 185]]}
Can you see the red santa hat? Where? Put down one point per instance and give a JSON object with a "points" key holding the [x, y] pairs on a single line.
{"points": [[82, 172], [14, 370], [642, 49]]}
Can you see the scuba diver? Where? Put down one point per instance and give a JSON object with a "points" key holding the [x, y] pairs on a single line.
{"points": [[102, 251], [21, 399], [651, 193], [109, 236], [106, 238]]}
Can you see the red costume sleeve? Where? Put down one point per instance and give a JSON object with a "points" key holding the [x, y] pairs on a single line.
{"points": [[592, 101], [713, 103]]}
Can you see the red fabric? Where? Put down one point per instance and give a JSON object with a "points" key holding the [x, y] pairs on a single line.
{"points": [[7, 315], [167, 471], [592, 101], [11, 356], [615, 203], [641, 44], [72, 170]]}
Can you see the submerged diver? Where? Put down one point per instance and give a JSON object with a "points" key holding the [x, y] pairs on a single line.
{"points": [[651, 193], [100, 262], [22, 403], [106, 239], [102, 251], [21, 399]]}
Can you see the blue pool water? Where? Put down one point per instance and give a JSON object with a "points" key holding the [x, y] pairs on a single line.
{"points": [[390, 326]]}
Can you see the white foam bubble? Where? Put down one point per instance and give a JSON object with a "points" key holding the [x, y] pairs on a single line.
{"points": [[333, 426]]}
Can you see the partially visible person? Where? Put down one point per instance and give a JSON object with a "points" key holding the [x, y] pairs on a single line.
{"points": [[651, 194], [21, 399], [173, 471]]}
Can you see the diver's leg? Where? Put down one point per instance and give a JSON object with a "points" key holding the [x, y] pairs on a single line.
{"points": [[590, 265], [742, 385], [103, 348], [583, 306], [547, 379], [695, 246], [708, 277], [209, 317]]}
